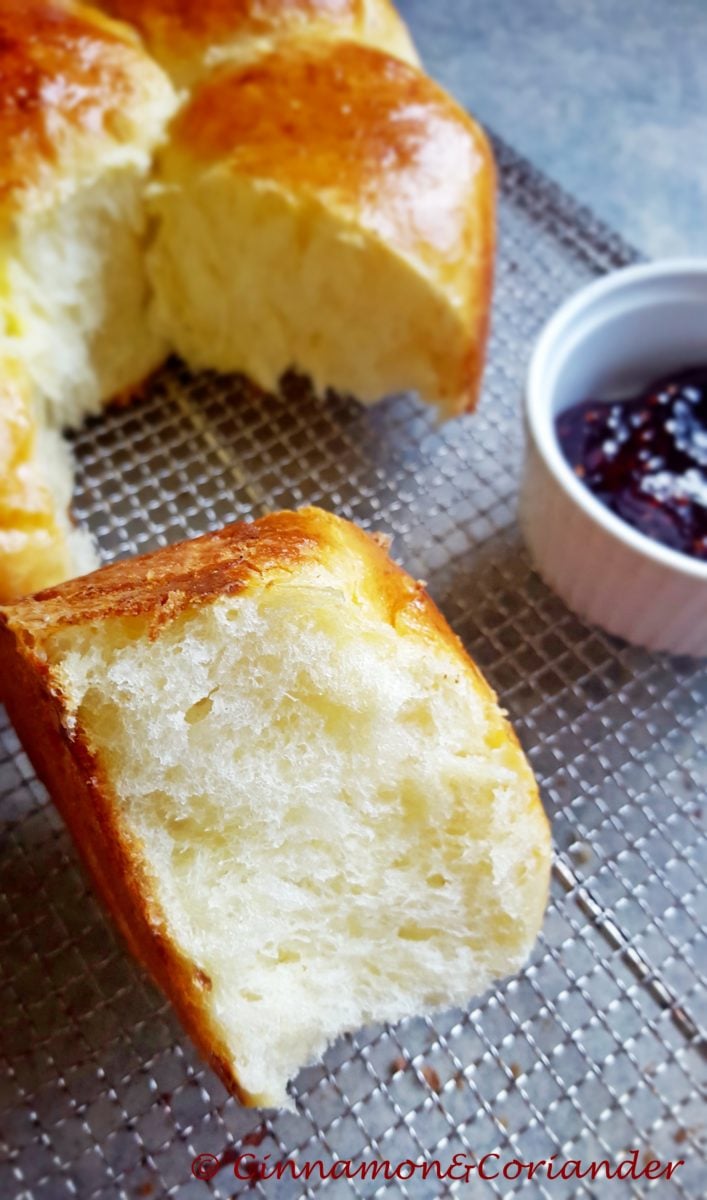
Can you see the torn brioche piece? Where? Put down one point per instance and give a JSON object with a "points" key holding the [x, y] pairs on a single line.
{"points": [[39, 545], [189, 37], [82, 107], [295, 791], [328, 209]]}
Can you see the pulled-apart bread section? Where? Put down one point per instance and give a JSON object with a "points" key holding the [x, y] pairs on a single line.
{"points": [[319, 204], [82, 109], [189, 37], [294, 789], [330, 209], [39, 546]]}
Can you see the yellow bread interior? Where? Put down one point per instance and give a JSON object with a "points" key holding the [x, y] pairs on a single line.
{"points": [[83, 108], [39, 546], [75, 306], [254, 278], [332, 818]]}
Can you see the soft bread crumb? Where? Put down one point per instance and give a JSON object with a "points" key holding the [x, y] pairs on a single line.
{"points": [[335, 822], [249, 278], [78, 297]]}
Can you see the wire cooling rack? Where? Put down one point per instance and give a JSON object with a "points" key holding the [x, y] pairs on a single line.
{"points": [[590, 1052]]}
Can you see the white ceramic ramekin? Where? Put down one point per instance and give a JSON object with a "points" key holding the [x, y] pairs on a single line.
{"points": [[610, 340]]}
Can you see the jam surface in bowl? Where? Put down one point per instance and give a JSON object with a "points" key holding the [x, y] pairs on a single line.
{"points": [[646, 458]]}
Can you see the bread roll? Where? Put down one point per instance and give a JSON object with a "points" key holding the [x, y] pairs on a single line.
{"points": [[81, 110], [330, 210], [295, 791], [38, 544], [188, 37]]}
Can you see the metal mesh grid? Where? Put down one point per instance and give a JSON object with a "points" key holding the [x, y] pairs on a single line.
{"points": [[594, 1049]]}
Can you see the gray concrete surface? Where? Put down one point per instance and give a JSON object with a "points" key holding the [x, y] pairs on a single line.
{"points": [[609, 97]]}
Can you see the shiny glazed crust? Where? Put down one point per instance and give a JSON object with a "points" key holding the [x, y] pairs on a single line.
{"points": [[180, 31], [154, 590], [160, 586], [371, 138], [72, 82]]}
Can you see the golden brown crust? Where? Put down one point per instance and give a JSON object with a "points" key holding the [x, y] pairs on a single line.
{"points": [[66, 71], [182, 29], [159, 587], [349, 120], [208, 20]]}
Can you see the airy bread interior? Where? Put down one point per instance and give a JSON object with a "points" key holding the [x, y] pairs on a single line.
{"points": [[252, 277], [76, 308], [335, 821]]}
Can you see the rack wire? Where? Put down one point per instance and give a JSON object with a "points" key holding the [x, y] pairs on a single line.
{"points": [[590, 1052]]}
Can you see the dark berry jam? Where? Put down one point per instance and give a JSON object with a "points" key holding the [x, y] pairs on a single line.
{"points": [[646, 458]]}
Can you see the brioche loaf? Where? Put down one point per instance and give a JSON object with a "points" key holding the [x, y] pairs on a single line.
{"points": [[332, 210], [82, 107], [295, 791], [38, 544], [188, 37]]}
